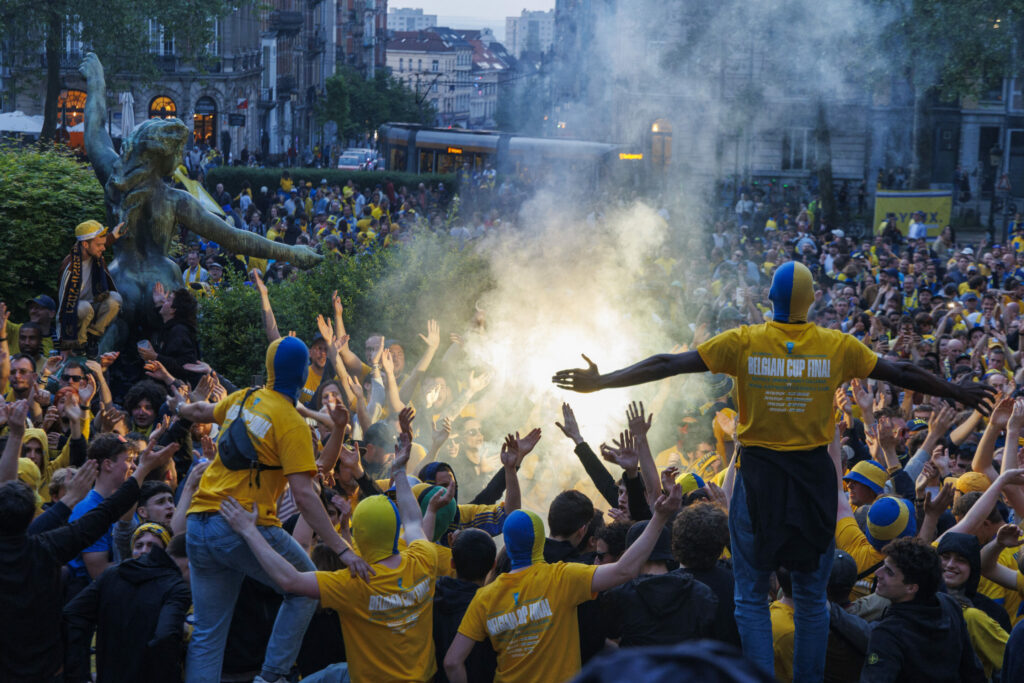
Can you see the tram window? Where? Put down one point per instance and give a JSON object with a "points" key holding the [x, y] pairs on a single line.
{"points": [[449, 163], [398, 159], [426, 161]]}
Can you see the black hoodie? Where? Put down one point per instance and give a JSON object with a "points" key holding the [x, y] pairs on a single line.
{"points": [[139, 607], [451, 598], [922, 641], [967, 546], [660, 609]]}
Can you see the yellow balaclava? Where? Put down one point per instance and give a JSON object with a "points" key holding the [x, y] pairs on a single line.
{"points": [[375, 528]]}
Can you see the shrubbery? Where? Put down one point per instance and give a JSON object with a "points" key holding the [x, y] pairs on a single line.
{"points": [[46, 193], [233, 176], [393, 291]]}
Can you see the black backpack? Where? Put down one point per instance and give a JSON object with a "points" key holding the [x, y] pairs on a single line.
{"points": [[235, 449]]}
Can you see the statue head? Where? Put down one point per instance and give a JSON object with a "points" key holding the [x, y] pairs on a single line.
{"points": [[156, 143]]}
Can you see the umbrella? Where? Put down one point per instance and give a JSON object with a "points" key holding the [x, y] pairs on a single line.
{"points": [[115, 130], [127, 111], [19, 122]]}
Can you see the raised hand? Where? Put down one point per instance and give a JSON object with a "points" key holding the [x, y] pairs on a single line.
{"points": [[638, 425], [624, 453], [405, 419], [569, 426], [50, 417], [339, 414], [842, 401], [199, 367], [442, 430], [862, 396], [433, 336], [80, 485], [1000, 415], [669, 503], [108, 358], [72, 410], [478, 383], [717, 495], [159, 294], [209, 447], [17, 414], [151, 459], [976, 395], [579, 379], [442, 499], [157, 371], [387, 363], [336, 304], [326, 329], [942, 419], [52, 364], [203, 389], [668, 477], [1009, 536], [941, 502]]}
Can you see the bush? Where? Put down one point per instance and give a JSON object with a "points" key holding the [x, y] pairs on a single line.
{"points": [[393, 291], [232, 177], [47, 192]]}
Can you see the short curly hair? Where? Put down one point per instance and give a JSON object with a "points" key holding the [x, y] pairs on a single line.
{"points": [[699, 535], [918, 561], [614, 536]]}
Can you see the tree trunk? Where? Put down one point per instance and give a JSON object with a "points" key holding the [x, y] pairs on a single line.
{"points": [[921, 168], [54, 48], [823, 155]]}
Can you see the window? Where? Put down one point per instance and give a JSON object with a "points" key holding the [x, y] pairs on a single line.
{"points": [[160, 42], [797, 149], [401, 64], [213, 47], [434, 65], [419, 66], [71, 107], [162, 107]]}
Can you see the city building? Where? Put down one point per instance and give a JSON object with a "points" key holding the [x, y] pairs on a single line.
{"points": [[218, 105], [530, 32], [408, 19]]}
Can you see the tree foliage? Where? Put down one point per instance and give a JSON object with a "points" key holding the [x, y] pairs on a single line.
{"points": [[393, 291], [117, 30], [358, 105], [48, 192]]}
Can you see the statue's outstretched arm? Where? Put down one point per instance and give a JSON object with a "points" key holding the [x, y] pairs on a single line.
{"points": [[97, 140], [190, 213]]}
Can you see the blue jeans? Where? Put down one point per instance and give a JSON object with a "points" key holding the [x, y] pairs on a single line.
{"points": [[753, 619], [218, 561], [335, 673]]}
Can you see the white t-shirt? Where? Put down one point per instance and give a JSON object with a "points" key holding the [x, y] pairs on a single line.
{"points": [[917, 230]]}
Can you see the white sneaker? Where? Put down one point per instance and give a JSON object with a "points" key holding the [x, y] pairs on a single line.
{"points": [[261, 679]]}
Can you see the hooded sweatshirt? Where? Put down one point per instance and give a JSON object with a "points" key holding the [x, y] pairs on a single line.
{"points": [[660, 609], [924, 641], [138, 608], [451, 598]]}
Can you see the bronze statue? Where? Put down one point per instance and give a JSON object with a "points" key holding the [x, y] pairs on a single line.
{"points": [[137, 194]]}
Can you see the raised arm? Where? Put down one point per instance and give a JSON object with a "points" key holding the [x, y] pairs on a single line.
{"points": [[433, 341], [1008, 536], [267, 313], [408, 508], [190, 213], [909, 376], [14, 416], [638, 428], [653, 368], [98, 145], [983, 508], [509, 458], [997, 421]]}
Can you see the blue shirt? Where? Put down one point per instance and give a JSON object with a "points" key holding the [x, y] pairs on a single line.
{"points": [[103, 545]]}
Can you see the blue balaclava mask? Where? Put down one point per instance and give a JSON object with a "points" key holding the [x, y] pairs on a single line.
{"points": [[524, 539], [287, 366], [792, 293]]}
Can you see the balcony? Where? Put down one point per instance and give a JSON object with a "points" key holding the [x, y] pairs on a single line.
{"points": [[285, 21], [316, 43]]}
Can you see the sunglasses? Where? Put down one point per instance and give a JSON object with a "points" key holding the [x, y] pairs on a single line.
{"points": [[74, 378]]}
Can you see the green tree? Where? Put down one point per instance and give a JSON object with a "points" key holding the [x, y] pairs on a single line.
{"points": [[947, 50], [117, 30], [48, 194], [358, 105]]}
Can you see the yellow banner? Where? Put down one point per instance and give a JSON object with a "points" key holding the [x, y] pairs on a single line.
{"points": [[937, 205]]}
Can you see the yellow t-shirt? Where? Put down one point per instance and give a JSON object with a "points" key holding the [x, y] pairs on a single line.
{"points": [[669, 456], [280, 437], [312, 384], [12, 330], [851, 540], [530, 618], [388, 620], [1008, 599], [987, 637], [783, 633], [786, 376]]}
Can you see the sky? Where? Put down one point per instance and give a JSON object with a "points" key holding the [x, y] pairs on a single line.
{"points": [[474, 14]]}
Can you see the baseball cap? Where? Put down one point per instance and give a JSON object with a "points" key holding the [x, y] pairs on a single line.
{"points": [[44, 301], [871, 473], [969, 296], [917, 424], [843, 576], [967, 251], [662, 551], [889, 518]]}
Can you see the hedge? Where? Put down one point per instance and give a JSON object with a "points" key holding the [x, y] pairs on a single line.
{"points": [[232, 177], [47, 192], [392, 292]]}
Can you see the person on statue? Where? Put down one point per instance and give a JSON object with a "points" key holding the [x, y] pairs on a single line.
{"points": [[89, 301], [783, 508], [137, 194]]}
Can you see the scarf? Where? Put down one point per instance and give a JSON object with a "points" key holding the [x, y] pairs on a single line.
{"points": [[70, 290]]}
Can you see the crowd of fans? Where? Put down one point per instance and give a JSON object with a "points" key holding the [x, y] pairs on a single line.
{"points": [[350, 519]]}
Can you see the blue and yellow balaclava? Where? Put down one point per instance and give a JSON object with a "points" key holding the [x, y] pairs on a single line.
{"points": [[524, 539], [443, 519], [792, 293], [375, 527], [287, 366]]}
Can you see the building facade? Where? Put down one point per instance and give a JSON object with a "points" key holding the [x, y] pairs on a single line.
{"points": [[530, 32], [408, 19]]}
